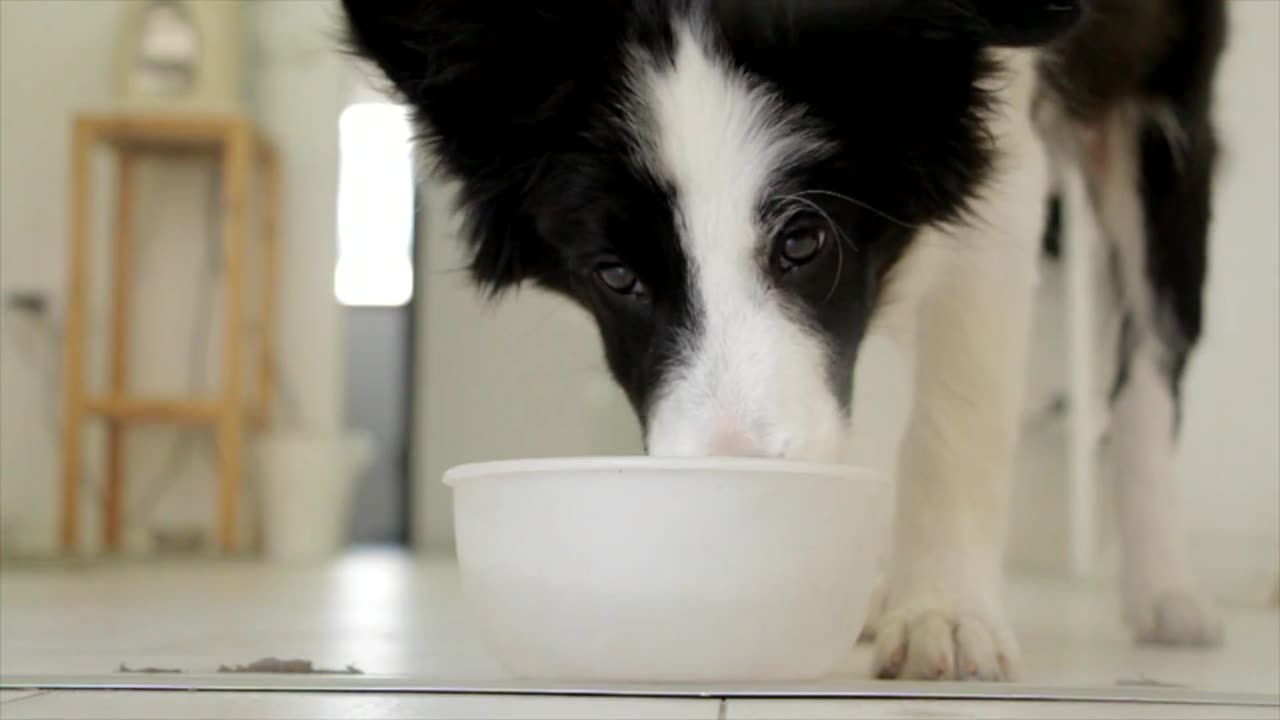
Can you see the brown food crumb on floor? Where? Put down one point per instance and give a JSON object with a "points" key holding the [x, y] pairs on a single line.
{"points": [[147, 670], [276, 665]]}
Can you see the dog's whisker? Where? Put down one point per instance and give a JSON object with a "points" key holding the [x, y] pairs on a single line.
{"points": [[839, 271], [840, 234], [860, 204]]}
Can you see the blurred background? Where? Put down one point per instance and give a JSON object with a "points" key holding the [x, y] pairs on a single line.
{"points": [[387, 368], [377, 334]]}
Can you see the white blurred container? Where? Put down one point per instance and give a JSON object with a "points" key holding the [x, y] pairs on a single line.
{"points": [[654, 570], [183, 55], [308, 483]]}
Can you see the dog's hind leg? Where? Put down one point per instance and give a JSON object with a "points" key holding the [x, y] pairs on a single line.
{"points": [[1150, 177]]}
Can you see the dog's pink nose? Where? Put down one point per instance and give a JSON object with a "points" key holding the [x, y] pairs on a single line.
{"points": [[730, 442]]}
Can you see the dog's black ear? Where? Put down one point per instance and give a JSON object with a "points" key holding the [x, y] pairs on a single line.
{"points": [[1025, 23], [497, 87], [993, 23], [998, 23]]}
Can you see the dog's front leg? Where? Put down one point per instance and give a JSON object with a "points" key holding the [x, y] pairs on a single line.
{"points": [[943, 616]]}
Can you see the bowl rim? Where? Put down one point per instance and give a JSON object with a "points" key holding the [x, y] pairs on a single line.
{"points": [[528, 466]]}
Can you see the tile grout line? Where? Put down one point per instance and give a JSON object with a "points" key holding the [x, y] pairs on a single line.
{"points": [[408, 685], [32, 694]]}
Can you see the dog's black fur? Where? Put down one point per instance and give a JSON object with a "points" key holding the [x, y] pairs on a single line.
{"points": [[517, 100]]}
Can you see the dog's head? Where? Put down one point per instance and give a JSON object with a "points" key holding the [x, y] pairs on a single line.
{"points": [[725, 185]]}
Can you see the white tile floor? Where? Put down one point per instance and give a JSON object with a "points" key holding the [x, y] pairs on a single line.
{"points": [[203, 705], [401, 622]]}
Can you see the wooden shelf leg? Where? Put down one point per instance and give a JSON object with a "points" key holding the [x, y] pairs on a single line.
{"points": [[237, 167], [263, 402], [73, 349], [271, 252], [113, 510]]}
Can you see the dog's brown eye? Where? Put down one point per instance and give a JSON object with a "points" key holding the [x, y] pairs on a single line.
{"points": [[620, 279], [801, 247]]}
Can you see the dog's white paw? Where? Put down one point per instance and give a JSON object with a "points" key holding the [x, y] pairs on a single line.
{"points": [[1179, 618], [943, 645]]}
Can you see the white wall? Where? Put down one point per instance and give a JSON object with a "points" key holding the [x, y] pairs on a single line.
{"points": [[55, 60], [1229, 465], [35, 127], [299, 86]]}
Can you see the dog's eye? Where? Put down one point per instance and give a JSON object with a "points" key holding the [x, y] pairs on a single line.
{"points": [[800, 247], [621, 279]]}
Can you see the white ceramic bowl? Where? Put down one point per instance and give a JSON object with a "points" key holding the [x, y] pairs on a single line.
{"points": [[668, 570]]}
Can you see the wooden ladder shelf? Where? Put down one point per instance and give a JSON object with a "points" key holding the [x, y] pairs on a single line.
{"points": [[245, 157]]}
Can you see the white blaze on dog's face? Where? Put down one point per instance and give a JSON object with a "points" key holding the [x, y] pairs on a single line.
{"points": [[752, 375], [725, 186]]}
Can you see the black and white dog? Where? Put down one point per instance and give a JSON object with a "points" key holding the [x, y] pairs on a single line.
{"points": [[739, 191]]}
